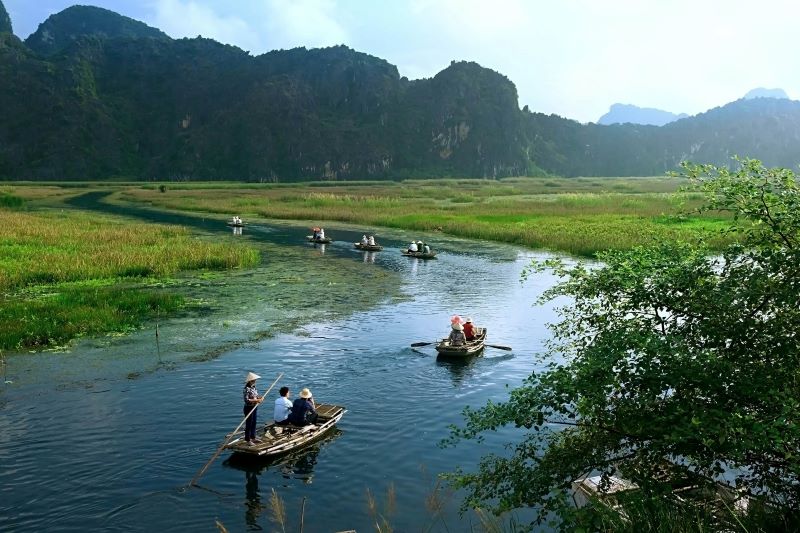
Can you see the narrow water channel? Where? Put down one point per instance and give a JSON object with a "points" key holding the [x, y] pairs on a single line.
{"points": [[86, 444]]}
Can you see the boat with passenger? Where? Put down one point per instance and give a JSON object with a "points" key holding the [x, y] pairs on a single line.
{"points": [[445, 349], [278, 439]]}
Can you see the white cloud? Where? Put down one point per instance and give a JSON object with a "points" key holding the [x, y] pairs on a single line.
{"points": [[189, 18], [309, 23]]}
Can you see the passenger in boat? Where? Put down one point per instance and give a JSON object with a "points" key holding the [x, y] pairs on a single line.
{"points": [[364, 240], [315, 234], [283, 406], [457, 337], [427, 249], [321, 233], [420, 246], [303, 410], [412, 247], [469, 330], [251, 401], [371, 240]]}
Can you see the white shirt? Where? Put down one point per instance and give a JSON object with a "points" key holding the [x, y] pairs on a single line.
{"points": [[413, 247], [282, 407]]}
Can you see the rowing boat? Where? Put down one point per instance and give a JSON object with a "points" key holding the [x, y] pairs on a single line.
{"points": [[368, 247], [419, 255], [236, 224], [473, 347], [324, 240], [280, 439]]}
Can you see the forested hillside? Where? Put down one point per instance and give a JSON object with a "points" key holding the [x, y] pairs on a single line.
{"points": [[95, 95]]}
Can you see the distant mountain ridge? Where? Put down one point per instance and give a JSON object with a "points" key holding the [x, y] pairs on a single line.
{"points": [[64, 28], [628, 113], [104, 97], [761, 92]]}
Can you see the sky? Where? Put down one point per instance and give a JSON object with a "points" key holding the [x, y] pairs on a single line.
{"points": [[573, 58]]}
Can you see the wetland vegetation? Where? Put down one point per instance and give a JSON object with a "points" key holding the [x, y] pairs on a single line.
{"points": [[580, 216], [68, 273]]}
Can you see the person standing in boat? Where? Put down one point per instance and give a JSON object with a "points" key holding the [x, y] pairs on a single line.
{"points": [[283, 406], [251, 401], [371, 240], [304, 412], [364, 240], [469, 330], [457, 337]]}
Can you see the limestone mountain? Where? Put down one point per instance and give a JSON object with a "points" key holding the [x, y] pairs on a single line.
{"points": [[94, 95], [628, 113], [5, 20], [73, 23]]}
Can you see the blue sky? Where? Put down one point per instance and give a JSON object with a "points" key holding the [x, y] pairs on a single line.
{"points": [[570, 57]]}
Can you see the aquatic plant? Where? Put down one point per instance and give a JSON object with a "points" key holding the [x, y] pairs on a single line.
{"points": [[583, 217]]}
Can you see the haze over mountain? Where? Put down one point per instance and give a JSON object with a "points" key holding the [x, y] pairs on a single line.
{"points": [[94, 95], [761, 92], [629, 113]]}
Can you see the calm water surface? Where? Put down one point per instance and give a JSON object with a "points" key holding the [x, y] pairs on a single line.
{"points": [[116, 454]]}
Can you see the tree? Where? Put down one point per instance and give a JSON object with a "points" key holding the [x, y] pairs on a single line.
{"points": [[672, 362]]}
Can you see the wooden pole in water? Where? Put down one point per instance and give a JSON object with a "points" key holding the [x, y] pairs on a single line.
{"points": [[230, 437]]}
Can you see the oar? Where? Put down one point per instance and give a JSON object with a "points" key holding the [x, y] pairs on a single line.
{"points": [[230, 437], [418, 344], [506, 348]]}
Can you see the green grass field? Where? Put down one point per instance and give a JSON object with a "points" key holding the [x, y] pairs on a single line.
{"points": [[68, 273], [580, 216]]}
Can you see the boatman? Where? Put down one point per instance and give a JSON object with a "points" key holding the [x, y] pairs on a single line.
{"points": [[283, 406], [251, 401]]}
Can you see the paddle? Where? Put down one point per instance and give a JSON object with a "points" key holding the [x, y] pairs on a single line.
{"points": [[418, 344], [228, 438], [506, 348]]}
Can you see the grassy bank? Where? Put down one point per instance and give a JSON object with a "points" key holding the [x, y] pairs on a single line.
{"points": [[580, 216], [66, 274]]}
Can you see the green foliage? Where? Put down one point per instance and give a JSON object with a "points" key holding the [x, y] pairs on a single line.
{"points": [[64, 28], [581, 218], [95, 95], [10, 201], [68, 274], [73, 311], [666, 355]]}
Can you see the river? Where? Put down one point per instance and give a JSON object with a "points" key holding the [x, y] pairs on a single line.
{"points": [[106, 434]]}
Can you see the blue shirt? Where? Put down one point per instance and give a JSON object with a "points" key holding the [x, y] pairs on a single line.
{"points": [[283, 406]]}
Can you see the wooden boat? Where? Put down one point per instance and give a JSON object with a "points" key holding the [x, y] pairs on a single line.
{"points": [[368, 247], [473, 347], [325, 240], [419, 255], [278, 440]]}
